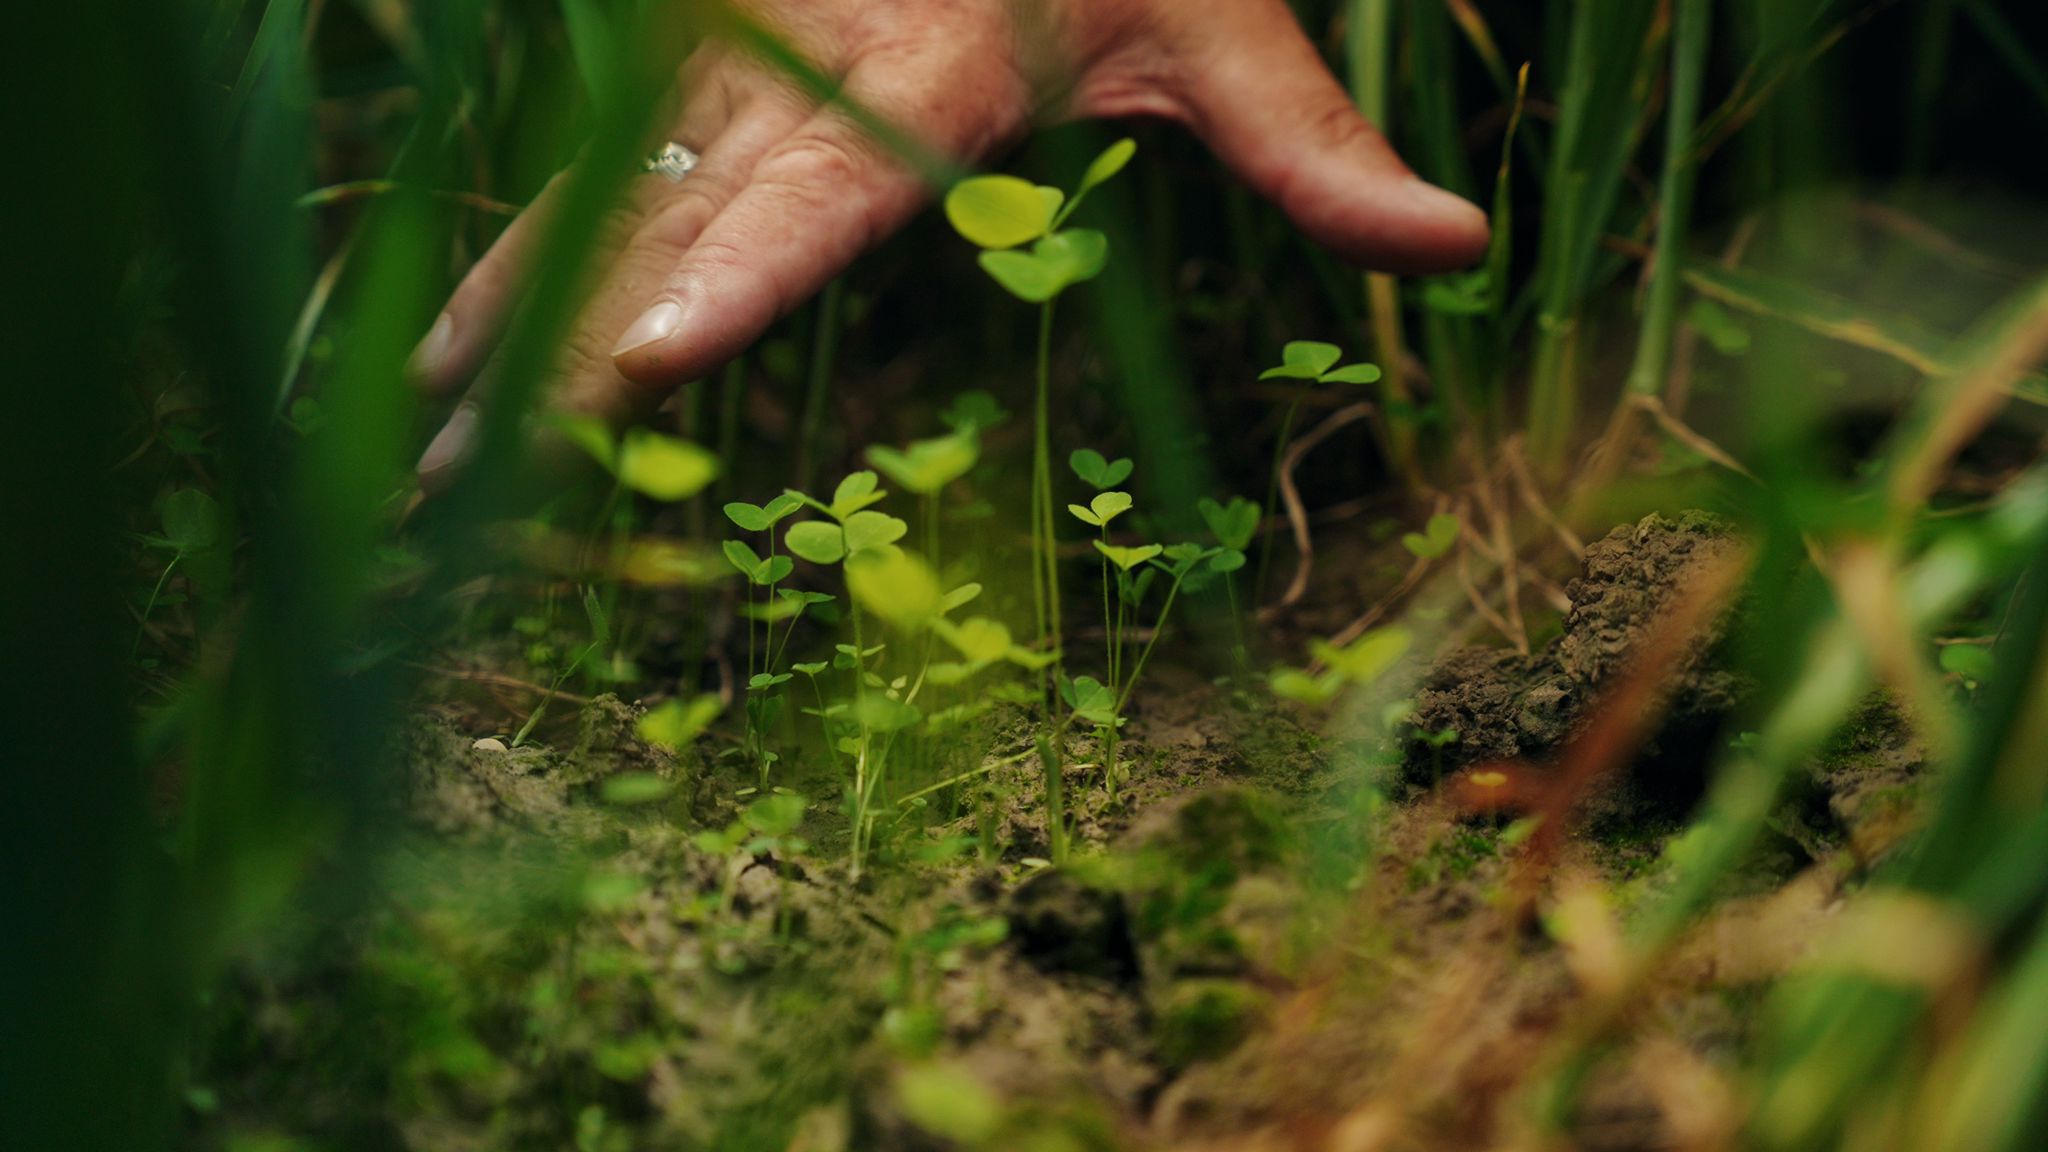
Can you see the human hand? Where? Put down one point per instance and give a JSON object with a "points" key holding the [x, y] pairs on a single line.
{"points": [[788, 193]]}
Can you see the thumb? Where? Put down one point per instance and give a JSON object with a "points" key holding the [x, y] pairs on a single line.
{"points": [[1269, 109]]}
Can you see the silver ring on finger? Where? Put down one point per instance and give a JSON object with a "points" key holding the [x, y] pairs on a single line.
{"points": [[673, 162]]}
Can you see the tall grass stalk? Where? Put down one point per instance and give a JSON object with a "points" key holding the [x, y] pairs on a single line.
{"points": [[1606, 81], [1689, 39], [1369, 50]]}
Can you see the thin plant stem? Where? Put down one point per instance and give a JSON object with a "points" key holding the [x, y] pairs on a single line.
{"points": [[142, 625], [1158, 629], [1042, 481], [1055, 799], [1273, 487], [1674, 206], [1109, 626]]}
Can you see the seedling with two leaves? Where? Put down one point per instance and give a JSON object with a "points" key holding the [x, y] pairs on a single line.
{"points": [[1311, 362], [1001, 215], [1232, 526]]}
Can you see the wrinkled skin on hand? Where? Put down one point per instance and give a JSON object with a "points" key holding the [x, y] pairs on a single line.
{"points": [[789, 193]]}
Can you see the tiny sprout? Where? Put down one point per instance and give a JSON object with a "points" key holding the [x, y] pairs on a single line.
{"points": [[1465, 294], [1099, 473], [1442, 739], [854, 493], [1091, 700], [975, 411], [813, 669], [1185, 556], [761, 518], [1232, 524], [1000, 211], [1314, 360], [1128, 558], [1303, 688], [664, 467], [762, 681], [754, 568], [1367, 658], [929, 465], [674, 723], [1054, 264], [1436, 538], [1105, 507]]}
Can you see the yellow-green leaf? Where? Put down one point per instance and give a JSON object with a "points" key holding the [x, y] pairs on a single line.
{"points": [[894, 585], [664, 467], [998, 212]]}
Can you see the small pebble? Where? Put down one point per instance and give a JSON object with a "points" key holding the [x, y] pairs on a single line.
{"points": [[490, 744]]}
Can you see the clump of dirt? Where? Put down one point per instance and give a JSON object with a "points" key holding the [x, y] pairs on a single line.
{"points": [[466, 786], [1505, 706]]}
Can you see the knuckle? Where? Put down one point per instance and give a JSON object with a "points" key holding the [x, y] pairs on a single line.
{"points": [[1338, 126], [810, 165], [676, 223]]}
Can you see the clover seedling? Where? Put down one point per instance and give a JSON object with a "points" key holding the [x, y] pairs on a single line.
{"points": [[1000, 215], [1231, 524], [1092, 700], [1100, 474], [1435, 539], [763, 518], [1128, 558], [926, 466], [1105, 507], [1316, 362], [973, 410], [763, 573], [1311, 362]]}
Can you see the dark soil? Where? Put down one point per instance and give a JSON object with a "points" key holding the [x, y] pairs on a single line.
{"points": [[1248, 949]]}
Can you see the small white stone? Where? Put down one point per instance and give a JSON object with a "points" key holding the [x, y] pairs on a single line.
{"points": [[490, 744]]}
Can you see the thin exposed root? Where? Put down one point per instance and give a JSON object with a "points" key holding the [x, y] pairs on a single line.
{"points": [[1532, 497], [1486, 612], [1290, 498]]}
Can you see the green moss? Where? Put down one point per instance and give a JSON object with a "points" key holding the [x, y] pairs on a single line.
{"points": [[1197, 1020]]}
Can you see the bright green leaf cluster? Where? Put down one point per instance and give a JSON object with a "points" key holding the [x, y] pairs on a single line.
{"points": [[1100, 511], [1316, 361], [1001, 214]]}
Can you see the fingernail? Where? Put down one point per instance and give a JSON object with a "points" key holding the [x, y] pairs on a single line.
{"points": [[432, 352], [654, 325], [451, 443]]}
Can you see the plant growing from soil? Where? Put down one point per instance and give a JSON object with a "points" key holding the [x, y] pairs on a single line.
{"points": [[1312, 363], [1000, 214]]}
